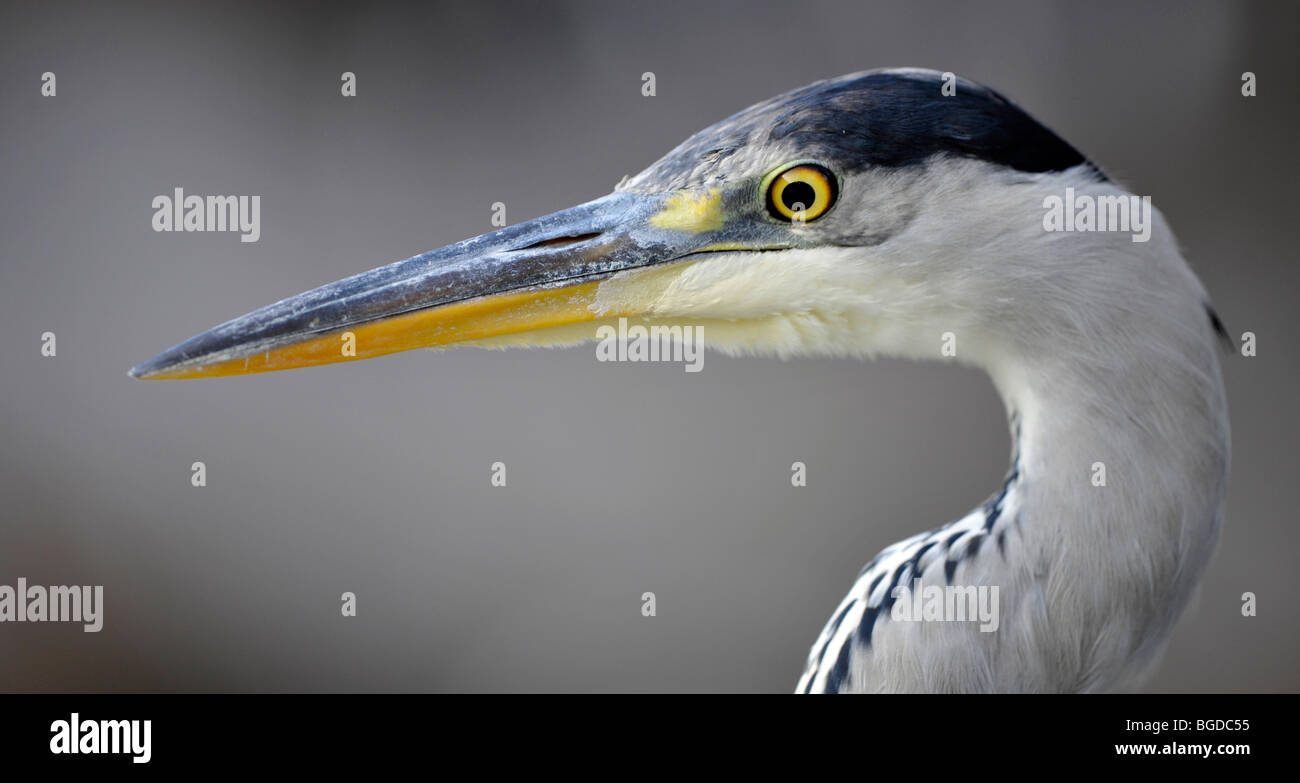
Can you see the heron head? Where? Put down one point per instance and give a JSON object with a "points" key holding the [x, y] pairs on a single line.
{"points": [[862, 214]]}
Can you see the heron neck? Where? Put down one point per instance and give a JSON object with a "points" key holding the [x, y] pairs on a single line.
{"points": [[1119, 481]]}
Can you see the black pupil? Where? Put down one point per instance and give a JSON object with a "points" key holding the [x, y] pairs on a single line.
{"points": [[798, 196]]}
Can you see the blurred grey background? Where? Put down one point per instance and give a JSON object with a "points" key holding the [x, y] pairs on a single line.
{"points": [[623, 478]]}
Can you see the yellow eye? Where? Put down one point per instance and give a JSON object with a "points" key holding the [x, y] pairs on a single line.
{"points": [[801, 193]]}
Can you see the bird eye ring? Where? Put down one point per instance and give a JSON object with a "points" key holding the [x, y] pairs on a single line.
{"points": [[800, 192]]}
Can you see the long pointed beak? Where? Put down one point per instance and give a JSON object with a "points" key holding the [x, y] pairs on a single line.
{"points": [[534, 275]]}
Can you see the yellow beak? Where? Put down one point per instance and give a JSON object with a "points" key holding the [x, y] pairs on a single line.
{"points": [[536, 275]]}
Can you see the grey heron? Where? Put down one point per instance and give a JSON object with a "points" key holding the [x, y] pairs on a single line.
{"points": [[874, 214]]}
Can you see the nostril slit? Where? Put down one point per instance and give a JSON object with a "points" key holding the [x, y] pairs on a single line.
{"points": [[562, 240]]}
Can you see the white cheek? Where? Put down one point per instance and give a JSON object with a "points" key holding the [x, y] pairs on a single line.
{"points": [[745, 286], [824, 301]]}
